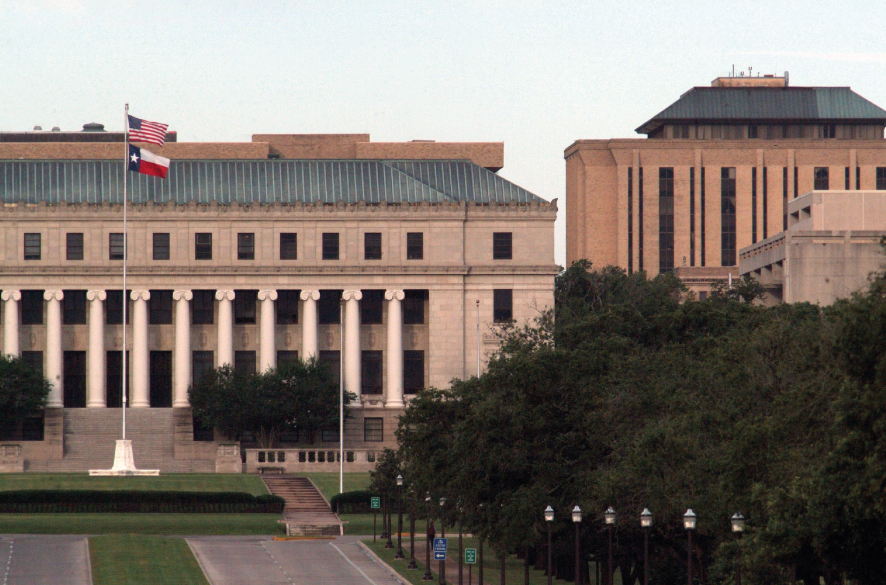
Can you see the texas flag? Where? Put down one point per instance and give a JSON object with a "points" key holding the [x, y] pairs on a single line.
{"points": [[147, 163]]}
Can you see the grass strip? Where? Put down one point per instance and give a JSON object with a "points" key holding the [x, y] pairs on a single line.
{"points": [[130, 559], [157, 524], [328, 482], [181, 482]]}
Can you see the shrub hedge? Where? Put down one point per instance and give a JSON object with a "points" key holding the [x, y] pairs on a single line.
{"points": [[97, 501], [356, 502]]}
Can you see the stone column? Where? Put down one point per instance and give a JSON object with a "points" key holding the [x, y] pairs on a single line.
{"points": [[11, 323], [182, 353], [96, 391], [394, 394], [309, 323], [351, 343], [268, 345], [54, 358], [225, 327], [141, 358]]}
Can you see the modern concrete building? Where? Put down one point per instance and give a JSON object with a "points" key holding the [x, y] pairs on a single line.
{"points": [[241, 256], [716, 173]]}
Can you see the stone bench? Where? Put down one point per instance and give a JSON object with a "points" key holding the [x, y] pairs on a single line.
{"points": [[269, 469]]}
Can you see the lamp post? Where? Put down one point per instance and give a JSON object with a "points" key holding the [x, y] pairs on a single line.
{"points": [[738, 529], [645, 524], [388, 544], [549, 518], [576, 519], [399, 554], [442, 570], [689, 525], [609, 516], [428, 544], [412, 564]]}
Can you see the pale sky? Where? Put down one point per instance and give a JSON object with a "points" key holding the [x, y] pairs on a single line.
{"points": [[535, 75]]}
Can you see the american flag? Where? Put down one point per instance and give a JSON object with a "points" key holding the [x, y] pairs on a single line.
{"points": [[144, 131]]}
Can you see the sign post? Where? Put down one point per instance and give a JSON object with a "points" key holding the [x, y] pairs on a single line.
{"points": [[375, 504], [470, 561]]}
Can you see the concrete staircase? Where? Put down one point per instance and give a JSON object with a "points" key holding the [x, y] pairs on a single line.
{"points": [[306, 512], [90, 437]]}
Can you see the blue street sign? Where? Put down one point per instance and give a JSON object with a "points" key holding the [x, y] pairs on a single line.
{"points": [[440, 549]]}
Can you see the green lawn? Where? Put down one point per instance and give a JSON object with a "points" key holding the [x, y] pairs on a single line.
{"points": [[361, 524], [328, 483], [143, 560], [159, 524], [188, 482]]}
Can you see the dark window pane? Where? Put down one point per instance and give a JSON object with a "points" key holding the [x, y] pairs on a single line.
{"points": [[32, 246], [373, 429], [74, 246], [727, 216], [32, 307], [501, 246], [74, 307], [329, 435], [330, 246], [114, 377], [33, 359], [114, 307], [415, 245], [203, 246], [371, 307], [202, 307], [160, 307], [665, 219], [161, 379], [413, 371], [414, 307], [288, 246], [286, 357], [822, 179], [202, 362], [161, 246], [329, 307], [116, 247], [245, 246], [371, 372], [502, 309], [332, 359], [244, 306], [74, 379], [244, 362], [372, 246], [287, 307], [881, 179]]}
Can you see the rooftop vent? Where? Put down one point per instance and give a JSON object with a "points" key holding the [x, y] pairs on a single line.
{"points": [[38, 128], [56, 129], [93, 127]]}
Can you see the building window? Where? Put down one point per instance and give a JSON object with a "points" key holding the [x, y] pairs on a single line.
{"points": [[332, 359], [288, 246], [329, 436], [74, 307], [857, 178], [414, 307], [640, 218], [32, 246], [74, 246], [161, 246], [244, 306], [373, 429], [203, 307], [114, 307], [371, 307], [116, 246], [692, 216], [765, 203], [32, 307], [114, 377], [502, 305], [821, 179], [829, 131], [286, 357], [287, 307], [372, 246], [501, 246], [415, 245], [330, 246], [753, 131], [846, 179], [202, 362], [630, 220], [160, 392], [34, 360], [703, 225], [665, 219], [203, 246], [371, 378], [328, 307], [754, 205], [245, 246], [74, 379], [727, 216], [160, 308], [244, 362], [413, 371], [881, 179]]}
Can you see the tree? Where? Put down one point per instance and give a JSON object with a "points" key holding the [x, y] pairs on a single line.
{"points": [[23, 392], [301, 396]]}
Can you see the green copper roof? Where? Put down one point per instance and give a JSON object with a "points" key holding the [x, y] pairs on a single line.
{"points": [[767, 105], [259, 181]]}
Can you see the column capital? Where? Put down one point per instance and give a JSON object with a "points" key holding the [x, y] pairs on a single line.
{"points": [[313, 295], [185, 295], [267, 295], [143, 295], [53, 295], [224, 295], [96, 295], [355, 295], [15, 295], [395, 294]]}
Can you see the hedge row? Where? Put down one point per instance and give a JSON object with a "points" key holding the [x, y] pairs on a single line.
{"points": [[356, 502], [89, 501]]}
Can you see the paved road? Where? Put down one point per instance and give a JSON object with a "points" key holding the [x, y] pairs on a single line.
{"points": [[38, 560], [263, 561]]}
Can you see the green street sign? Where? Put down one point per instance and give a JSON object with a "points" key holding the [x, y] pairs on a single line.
{"points": [[375, 502], [470, 556]]}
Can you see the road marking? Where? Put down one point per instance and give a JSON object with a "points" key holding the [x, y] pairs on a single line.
{"points": [[8, 563], [352, 563], [288, 578]]}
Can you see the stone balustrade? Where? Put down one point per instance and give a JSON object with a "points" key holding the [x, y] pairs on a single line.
{"points": [[305, 460]]}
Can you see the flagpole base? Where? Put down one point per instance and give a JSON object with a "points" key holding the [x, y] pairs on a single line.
{"points": [[124, 462]]}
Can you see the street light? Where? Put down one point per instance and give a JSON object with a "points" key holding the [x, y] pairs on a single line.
{"points": [[609, 517], [645, 523], [428, 576], [549, 518], [738, 529], [689, 525], [442, 570], [576, 519], [412, 564], [399, 554]]}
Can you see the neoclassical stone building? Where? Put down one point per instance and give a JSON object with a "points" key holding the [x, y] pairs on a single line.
{"points": [[252, 254]]}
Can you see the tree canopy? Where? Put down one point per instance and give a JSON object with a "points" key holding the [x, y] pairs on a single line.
{"points": [[23, 392]]}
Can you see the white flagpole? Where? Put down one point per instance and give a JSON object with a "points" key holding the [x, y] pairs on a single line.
{"points": [[125, 254]]}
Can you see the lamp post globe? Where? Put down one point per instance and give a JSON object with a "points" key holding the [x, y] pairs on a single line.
{"points": [[737, 521]]}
